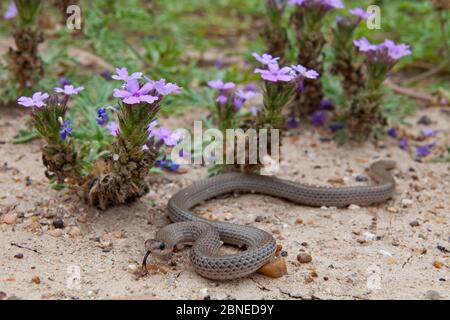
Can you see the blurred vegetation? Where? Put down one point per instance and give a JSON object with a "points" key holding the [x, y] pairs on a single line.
{"points": [[191, 42]]}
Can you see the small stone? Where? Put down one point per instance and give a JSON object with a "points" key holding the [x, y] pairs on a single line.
{"points": [[36, 280], [392, 210], [304, 258], [299, 221], [259, 219], [424, 120], [228, 216], [414, 223], [406, 203], [58, 223], [75, 232], [361, 178], [55, 233], [18, 256], [132, 268], [274, 269], [9, 218], [354, 207], [284, 254], [432, 295], [437, 264], [356, 231]]}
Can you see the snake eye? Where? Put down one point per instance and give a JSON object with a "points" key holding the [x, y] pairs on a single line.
{"points": [[162, 246]]}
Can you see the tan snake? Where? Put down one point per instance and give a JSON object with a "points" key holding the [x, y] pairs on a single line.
{"points": [[260, 245]]}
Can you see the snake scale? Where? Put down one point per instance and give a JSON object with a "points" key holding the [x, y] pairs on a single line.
{"points": [[260, 245]]}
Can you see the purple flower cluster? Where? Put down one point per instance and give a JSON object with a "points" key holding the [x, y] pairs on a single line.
{"points": [[360, 13], [275, 73], [226, 94], [132, 92], [387, 51], [421, 151], [167, 164], [102, 116], [323, 5]]}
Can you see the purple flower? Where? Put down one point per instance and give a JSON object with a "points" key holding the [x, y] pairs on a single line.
{"points": [[69, 90], [364, 45], [133, 93], [422, 151], [218, 64], [326, 104], [404, 144], [113, 128], [251, 87], [165, 89], [64, 81], [275, 74], [102, 116], [292, 122], [222, 99], [173, 166], [324, 5], [237, 103], [427, 133], [395, 51], [37, 100], [11, 12], [265, 59], [305, 73], [122, 74], [168, 137], [245, 95], [360, 13], [387, 50], [254, 110], [66, 130], [161, 163], [152, 126], [392, 132], [220, 85], [318, 118]]}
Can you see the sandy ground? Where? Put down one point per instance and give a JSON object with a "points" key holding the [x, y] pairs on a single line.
{"points": [[396, 250]]}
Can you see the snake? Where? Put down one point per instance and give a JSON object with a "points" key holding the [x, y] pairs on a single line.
{"points": [[259, 246]]}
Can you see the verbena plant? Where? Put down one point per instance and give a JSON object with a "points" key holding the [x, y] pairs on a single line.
{"points": [[119, 175]]}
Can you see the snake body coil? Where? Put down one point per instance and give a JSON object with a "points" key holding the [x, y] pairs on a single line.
{"points": [[260, 245]]}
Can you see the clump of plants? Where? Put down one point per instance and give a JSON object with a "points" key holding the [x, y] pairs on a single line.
{"points": [[25, 63], [307, 20], [119, 176], [363, 115], [280, 85]]}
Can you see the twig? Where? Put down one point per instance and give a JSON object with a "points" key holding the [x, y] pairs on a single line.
{"points": [[23, 247], [414, 94], [429, 73]]}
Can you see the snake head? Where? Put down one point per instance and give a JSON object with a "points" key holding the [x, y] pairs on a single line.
{"points": [[157, 247]]}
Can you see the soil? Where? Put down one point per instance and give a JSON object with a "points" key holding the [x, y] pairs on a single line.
{"points": [[398, 250]]}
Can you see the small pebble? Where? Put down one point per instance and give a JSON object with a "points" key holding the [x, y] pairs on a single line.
{"points": [[19, 256], [9, 218], [432, 295], [58, 223], [36, 280], [356, 231], [361, 178], [392, 210], [74, 232], [304, 258], [424, 120], [131, 268], [354, 207], [274, 269], [284, 253], [55, 233], [437, 264], [414, 223], [259, 219], [406, 203]]}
